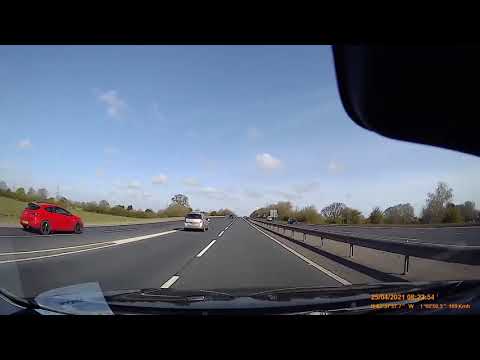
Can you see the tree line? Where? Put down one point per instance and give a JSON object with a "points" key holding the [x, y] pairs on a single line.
{"points": [[179, 204], [438, 208]]}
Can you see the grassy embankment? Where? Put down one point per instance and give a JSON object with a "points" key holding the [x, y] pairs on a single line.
{"points": [[10, 210]]}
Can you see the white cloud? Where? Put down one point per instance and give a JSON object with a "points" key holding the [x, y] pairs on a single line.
{"points": [[111, 150], [191, 181], [268, 162], [115, 105], [24, 144], [134, 185], [253, 133], [159, 179], [335, 167]]}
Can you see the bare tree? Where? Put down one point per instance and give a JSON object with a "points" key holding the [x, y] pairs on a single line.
{"points": [[180, 199], [103, 204], [42, 193], [376, 216], [436, 204], [399, 214], [333, 212], [3, 186]]}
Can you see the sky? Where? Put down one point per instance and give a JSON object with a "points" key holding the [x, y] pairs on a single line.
{"points": [[229, 126]]}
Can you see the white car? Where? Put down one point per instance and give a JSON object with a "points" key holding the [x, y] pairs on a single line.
{"points": [[196, 221]]}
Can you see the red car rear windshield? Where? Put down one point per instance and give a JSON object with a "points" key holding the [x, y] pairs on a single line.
{"points": [[32, 206]]}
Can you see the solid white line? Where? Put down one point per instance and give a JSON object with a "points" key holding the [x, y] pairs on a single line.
{"points": [[56, 249], [108, 244], [55, 255], [308, 261], [170, 282], [205, 250], [221, 233]]}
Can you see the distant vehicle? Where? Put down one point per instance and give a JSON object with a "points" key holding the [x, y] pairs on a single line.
{"points": [[47, 218], [270, 218], [231, 216], [292, 221], [196, 221]]}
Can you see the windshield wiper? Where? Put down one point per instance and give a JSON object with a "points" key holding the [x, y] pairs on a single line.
{"points": [[168, 296], [27, 304]]}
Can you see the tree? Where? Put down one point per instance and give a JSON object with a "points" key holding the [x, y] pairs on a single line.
{"points": [[351, 216], [467, 210], [42, 193], [213, 213], [180, 199], [309, 215], [31, 192], [434, 210], [453, 214], [103, 204], [376, 216], [333, 212], [3, 186], [129, 208], [176, 210], [20, 193], [120, 206], [148, 210], [399, 214]]}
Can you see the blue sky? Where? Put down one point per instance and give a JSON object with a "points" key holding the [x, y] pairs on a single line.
{"points": [[229, 126]]}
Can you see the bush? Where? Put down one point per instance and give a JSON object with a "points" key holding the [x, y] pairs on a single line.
{"points": [[309, 215], [453, 215]]}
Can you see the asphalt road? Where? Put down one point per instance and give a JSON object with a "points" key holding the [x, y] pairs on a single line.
{"points": [[443, 235], [232, 254]]}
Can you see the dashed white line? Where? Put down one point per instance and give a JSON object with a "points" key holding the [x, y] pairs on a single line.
{"points": [[308, 261], [205, 250], [170, 282], [221, 233]]}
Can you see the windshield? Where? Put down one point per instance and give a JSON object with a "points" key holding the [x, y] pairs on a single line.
{"points": [[133, 139]]}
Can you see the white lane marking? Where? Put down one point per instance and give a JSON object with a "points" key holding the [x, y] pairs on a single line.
{"points": [[109, 244], [205, 250], [170, 282], [56, 249], [221, 233], [144, 237], [308, 261], [55, 255]]}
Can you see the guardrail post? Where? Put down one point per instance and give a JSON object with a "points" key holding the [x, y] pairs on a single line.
{"points": [[351, 251], [321, 239], [304, 237], [293, 234], [406, 264]]}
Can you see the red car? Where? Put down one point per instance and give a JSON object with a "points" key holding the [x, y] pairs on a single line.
{"points": [[46, 218]]}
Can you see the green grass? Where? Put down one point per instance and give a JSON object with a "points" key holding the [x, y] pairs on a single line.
{"points": [[10, 211]]}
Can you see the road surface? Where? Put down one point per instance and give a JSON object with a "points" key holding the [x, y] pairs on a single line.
{"points": [[233, 254]]}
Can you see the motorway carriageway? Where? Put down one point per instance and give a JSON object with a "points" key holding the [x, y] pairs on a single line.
{"points": [[459, 235], [233, 254]]}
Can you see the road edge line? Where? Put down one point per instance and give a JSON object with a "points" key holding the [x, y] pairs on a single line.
{"points": [[308, 261]]}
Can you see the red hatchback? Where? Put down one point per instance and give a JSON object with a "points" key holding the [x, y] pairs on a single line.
{"points": [[46, 218]]}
